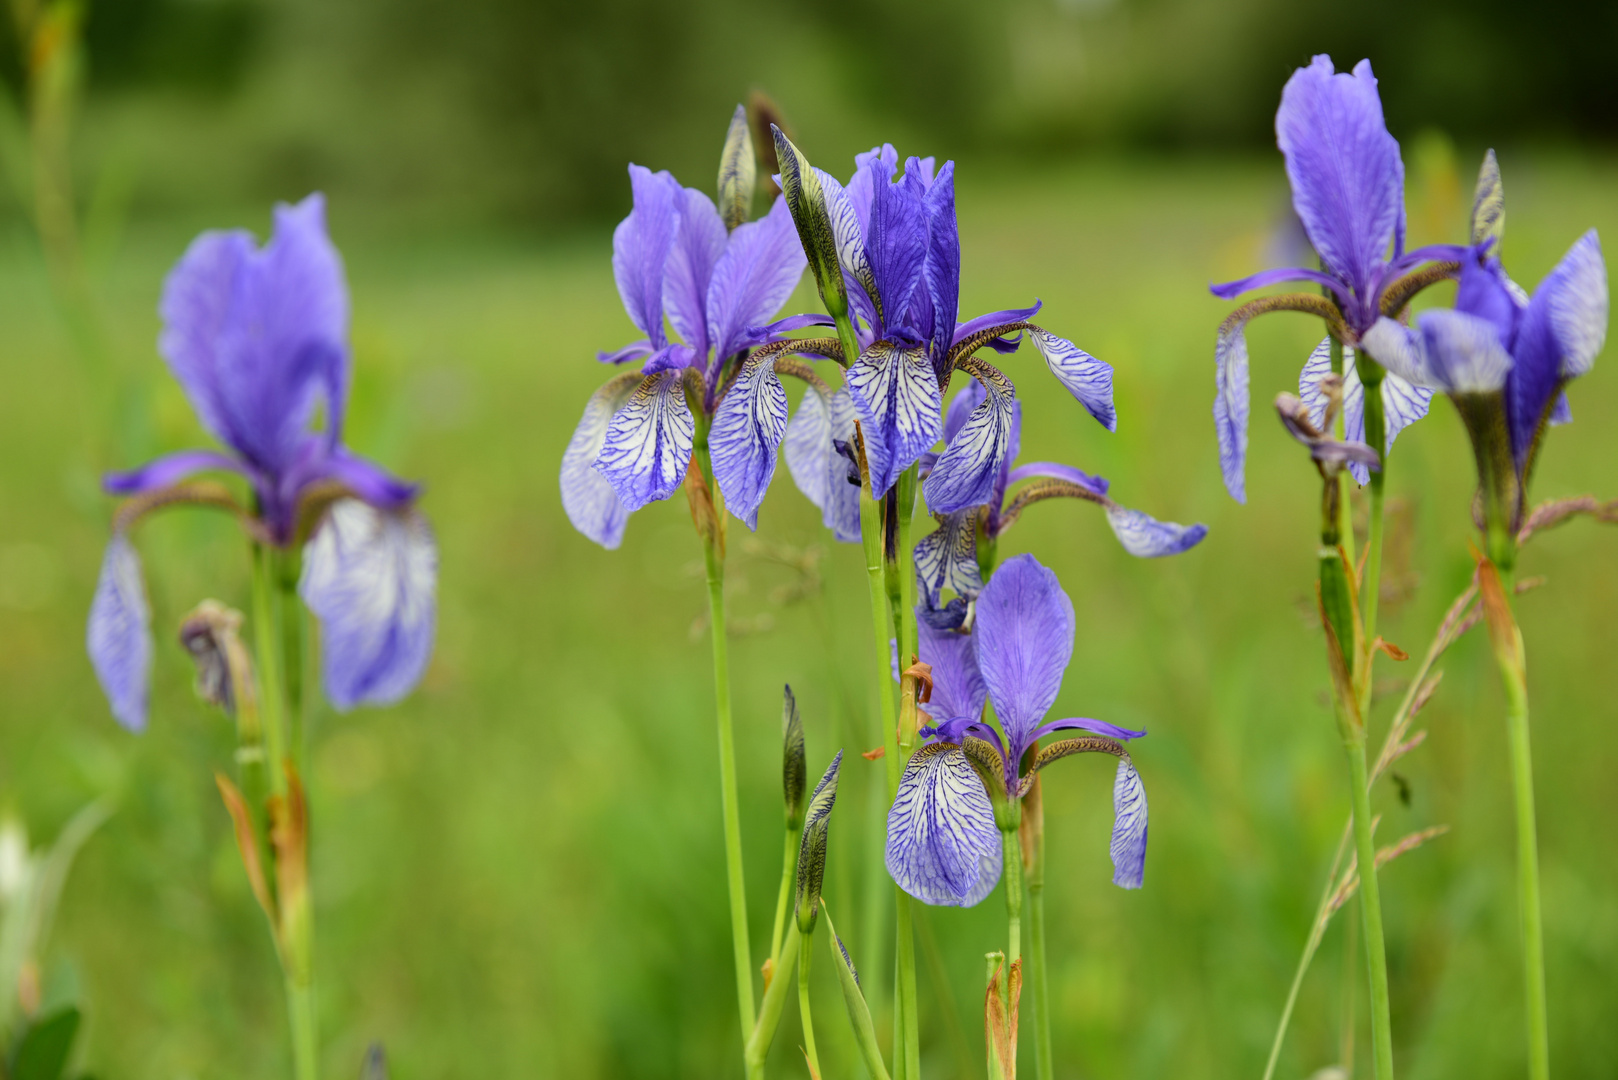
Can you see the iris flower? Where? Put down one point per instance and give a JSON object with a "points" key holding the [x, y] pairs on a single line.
{"points": [[258, 340], [948, 558], [943, 842], [1505, 359], [900, 255], [674, 260], [1348, 190]]}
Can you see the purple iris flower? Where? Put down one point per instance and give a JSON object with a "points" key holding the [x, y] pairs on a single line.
{"points": [[1347, 183], [947, 557], [900, 253], [1506, 358], [258, 339], [673, 259], [943, 839]]}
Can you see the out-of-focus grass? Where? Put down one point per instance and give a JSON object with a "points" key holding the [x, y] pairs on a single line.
{"points": [[519, 870]]}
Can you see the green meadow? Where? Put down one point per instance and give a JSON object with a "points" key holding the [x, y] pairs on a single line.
{"points": [[519, 870]]}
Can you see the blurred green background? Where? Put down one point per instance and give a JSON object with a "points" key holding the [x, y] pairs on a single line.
{"points": [[519, 870]]}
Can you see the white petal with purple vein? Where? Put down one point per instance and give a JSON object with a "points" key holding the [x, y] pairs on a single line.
{"points": [[1231, 405], [589, 499], [119, 637], [648, 442], [1145, 537], [747, 431], [818, 470], [1086, 378], [943, 847], [969, 470], [1128, 827], [900, 409]]}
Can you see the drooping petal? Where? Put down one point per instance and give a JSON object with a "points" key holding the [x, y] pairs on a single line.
{"points": [[1128, 827], [1145, 537], [166, 470], [1231, 404], [969, 471], [1452, 351], [1562, 330], [947, 557], [119, 636], [257, 336], [760, 267], [943, 847], [1403, 403], [1346, 174], [1024, 636], [747, 431], [588, 497], [958, 689], [1086, 378], [371, 577], [966, 399], [648, 442], [699, 238], [641, 246], [899, 406], [819, 471]]}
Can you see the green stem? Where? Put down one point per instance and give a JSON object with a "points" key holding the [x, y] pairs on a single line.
{"points": [[1345, 482], [1012, 856], [305, 1041], [769, 1014], [727, 786], [907, 1021], [1317, 930], [804, 949], [789, 868], [1512, 675], [266, 644], [1374, 436], [293, 625], [1037, 979], [1370, 909]]}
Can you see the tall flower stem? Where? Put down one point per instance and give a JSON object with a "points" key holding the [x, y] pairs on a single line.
{"points": [[714, 561], [803, 1004], [1509, 657], [267, 641], [1012, 856], [762, 1034], [1033, 837], [1371, 374], [783, 899], [1370, 908]]}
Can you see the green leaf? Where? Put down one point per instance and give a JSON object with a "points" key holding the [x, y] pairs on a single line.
{"points": [[812, 853], [42, 1054], [738, 172]]}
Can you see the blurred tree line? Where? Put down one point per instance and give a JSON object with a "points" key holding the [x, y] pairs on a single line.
{"points": [[528, 109]]}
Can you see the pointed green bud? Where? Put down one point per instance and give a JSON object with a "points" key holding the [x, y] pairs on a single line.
{"points": [[794, 769], [738, 172], [1489, 204], [812, 852], [806, 199], [859, 1013]]}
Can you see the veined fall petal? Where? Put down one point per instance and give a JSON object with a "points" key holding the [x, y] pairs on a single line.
{"points": [[119, 636], [1145, 537], [818, 470], [1403, 403], [648, 441], [1128, 827], [371, 578], [943, 847], [1086, 378], [747, 430], [1231, 404], [947, 557], [898, 402], [968, 473], [591, 503]]}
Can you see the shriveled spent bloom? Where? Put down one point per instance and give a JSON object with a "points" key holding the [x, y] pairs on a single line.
{"points": [[943, 830], [258, 339], [1505, 359], [947, 557], [1347, 181]]}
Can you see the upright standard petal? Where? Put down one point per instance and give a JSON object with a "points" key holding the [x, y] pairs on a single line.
{"points": [[371, 578], [1346, 174], [958, 689], [899, 405], [943, 847], [119, 636], [1128, 827], [256, 337], [968, 473], [1561, 332], [1231, 403], [641, 246], [896, 243], [760, 267], [1144, 536], [820, 472], [648, 442], [943, 271], [699, 240], [1024, 636], [947, 557], [588, 497], [1086, 378], [747, 431]]}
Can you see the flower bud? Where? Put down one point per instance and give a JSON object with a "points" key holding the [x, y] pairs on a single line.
{"points": [[812, 853], [806, 200], [1489, 205], [794, 769], [738, 172]]}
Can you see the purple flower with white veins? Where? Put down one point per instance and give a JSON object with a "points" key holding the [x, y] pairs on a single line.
{"points": [[258, 339], [943, 845], [673, 258], [1348, 189], [900, 255], [947, 557]]}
